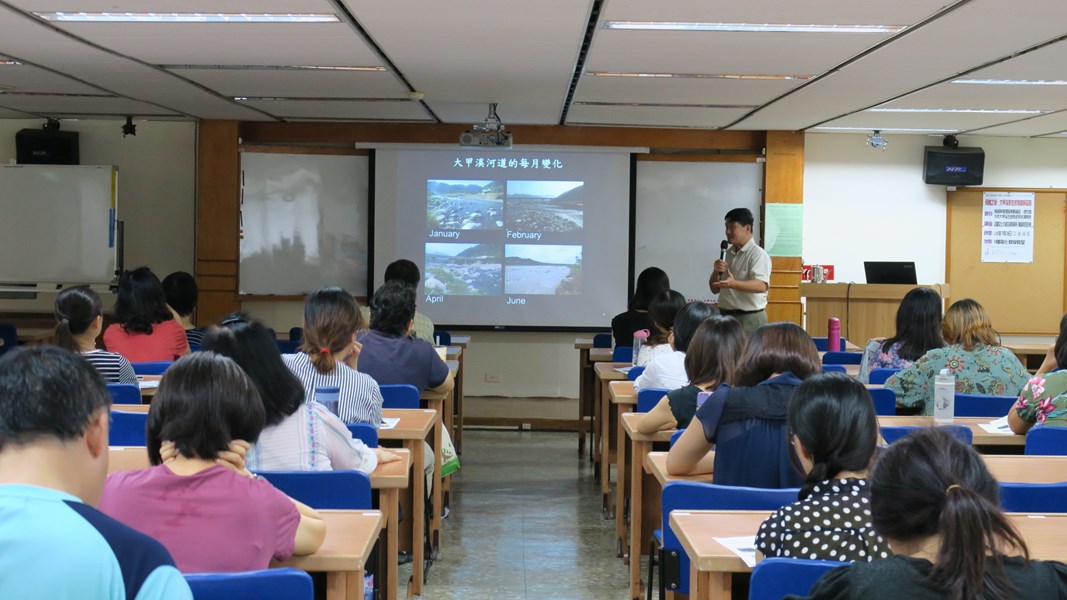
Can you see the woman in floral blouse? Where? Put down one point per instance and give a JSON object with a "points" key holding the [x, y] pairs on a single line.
{"points": [[918, 331], [974, 357], [1044, 401]]}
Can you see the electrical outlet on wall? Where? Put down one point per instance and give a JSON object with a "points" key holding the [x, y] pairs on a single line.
{"points": [[492, 377]]}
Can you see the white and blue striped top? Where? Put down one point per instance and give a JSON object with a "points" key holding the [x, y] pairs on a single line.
{"points": [[113, 367], [360, 399]]}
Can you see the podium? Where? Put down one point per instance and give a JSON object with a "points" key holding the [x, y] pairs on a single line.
{"points": [[866, 310]]}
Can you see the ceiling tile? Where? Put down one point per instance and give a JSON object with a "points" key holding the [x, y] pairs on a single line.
{"points": [[342, 110], [679, 91], [319, 84], [651, 116]]}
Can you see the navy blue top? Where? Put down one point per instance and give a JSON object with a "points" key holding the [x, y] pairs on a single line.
{"points": [[747, 426], [399, 359]]}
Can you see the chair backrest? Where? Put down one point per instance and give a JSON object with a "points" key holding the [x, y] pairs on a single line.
{"points": [[834, 369], [348, 490], [622, 354], [1047, 440], [602, 340], [1033, 497], [124, 393], [365, 432], [296, 334], [442, 337], [974, 405], [9, 336], [400, 395], [194, 347], [648, 398], [774, 578], [288, 347], [634, 373], [269, 584], [842, 358], [687, 495], [885, 401], [893, 433], [879, 375], [152, 368], [822, 344], [127, 429], [676, 435]]}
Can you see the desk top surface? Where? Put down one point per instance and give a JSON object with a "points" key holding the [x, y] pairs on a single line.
{"points": [[981, 436], [656, 464], [414, 423], [350, 535], [605, 371], [629, 424], [461, 340], [622, 392]]}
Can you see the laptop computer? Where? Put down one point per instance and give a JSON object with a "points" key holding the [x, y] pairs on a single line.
{"points": [[890, 272]]}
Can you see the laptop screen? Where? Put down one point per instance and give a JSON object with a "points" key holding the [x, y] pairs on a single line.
{"points": [[890, 272]]}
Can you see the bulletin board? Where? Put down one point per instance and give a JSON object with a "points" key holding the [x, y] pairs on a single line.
{"points": [[1021, 298]]}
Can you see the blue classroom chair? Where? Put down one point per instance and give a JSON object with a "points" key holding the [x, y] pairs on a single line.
{"points": [[151, 368], [687, 495], [622, 354], [346, 490], [269, 584], [893, 433], [649, 398], [1033, 497], [364, 432], [974, 405], [124, 393], [885, 401], [879, 375], [775, 578], [442, 337], [400, 396], [842, 358], [1047, 440], [9, 336], [634, 373], [602, 340], [834, 369], [675, 436], [822, 344], [296, 334], [127, 429], [285, 347]]}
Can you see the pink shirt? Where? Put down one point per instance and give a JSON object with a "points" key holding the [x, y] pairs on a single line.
{"points": [[212, 521], [166, 342]]}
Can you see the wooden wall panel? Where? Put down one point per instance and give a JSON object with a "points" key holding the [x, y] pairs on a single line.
{"points": [[217, 219], [783, 182]]}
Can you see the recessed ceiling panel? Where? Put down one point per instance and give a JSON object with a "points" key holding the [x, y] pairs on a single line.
{"points": [[822, 12], [26, 78], [651, 116], [68, 104], [679, 90], [956, 95], [342, 110], [1043, 125], [319, 84], [949, 122], [7, 113]]}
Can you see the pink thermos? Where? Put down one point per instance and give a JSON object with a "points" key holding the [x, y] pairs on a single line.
{"points": [[833, 335]]}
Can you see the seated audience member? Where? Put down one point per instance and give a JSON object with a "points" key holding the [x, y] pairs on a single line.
{"points": [[211, 515], [389, 354], [650, 282], [835, 434], [181, 292], [1057, 352], [408, 272], [934, 501], [711, 361], [974, 357], [746, 422], [667, 371], [1044, 399], [918, 331], [144, 329], [298, 435], [54, 412], [329, 353], [663, 310], [80, 315]]}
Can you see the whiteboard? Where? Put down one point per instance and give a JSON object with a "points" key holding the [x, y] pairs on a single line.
{"points": [[679, 217], [304, 223], [57, 223]]}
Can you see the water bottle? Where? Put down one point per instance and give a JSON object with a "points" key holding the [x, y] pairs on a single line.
{"points": [[329, 397], [702, 397], [944, 397], [640, 336], [833, 335]]}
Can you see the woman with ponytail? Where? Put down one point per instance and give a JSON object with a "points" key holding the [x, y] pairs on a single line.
{"points": [[934, 501], [329, 354], [834, 432], [79, 312]]}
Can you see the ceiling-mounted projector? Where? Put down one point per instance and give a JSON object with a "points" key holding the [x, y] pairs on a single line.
{"points": [[490, 134]]}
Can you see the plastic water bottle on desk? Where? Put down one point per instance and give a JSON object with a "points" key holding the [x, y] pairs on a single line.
{"points": [[833, 335], [944, 397], [640, 337]]}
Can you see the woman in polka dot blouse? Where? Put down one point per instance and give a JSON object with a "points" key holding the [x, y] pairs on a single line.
{"points": [[834, 433]]}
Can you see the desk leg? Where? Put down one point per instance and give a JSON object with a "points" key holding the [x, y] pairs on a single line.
{"points": [[457, 438], [446, 482], [598, 428], [387, 576], [620, 484], [342, 585], [583, 399], [418, 516], [637, 476], [605, 450], [438, 495]]}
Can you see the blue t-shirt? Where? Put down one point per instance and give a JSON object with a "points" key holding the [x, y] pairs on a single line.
{"points": [[400, 359], [55, 547]]}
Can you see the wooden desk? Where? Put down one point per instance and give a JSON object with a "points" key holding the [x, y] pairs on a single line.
{"points": [[643, 514], [586, 383], [441, 403], [455, 352], [148, 392], [605, 427], [350, 536], [711, 564], [871, 307], [656, 465], [35, 335], [618, 403], [981, 436], [1031, 355], [1027, 469]]}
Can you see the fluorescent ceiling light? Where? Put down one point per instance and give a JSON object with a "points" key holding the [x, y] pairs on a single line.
{"points": [[131, 17], [666, 105], [752, 27], [1013, 81], [8, 62], [269, 68], [308, 99], [991, 111], [695, 75], [882, 129]]}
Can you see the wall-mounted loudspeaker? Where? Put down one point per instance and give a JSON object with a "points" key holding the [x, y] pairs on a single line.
{"points": [[948, 166], [43, 147]]}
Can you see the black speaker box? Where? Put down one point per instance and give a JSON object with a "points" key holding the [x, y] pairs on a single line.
{"points": [[42, 147], [947, 166]]}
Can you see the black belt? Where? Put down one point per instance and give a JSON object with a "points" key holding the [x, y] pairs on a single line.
{"points": [[728, 312]]}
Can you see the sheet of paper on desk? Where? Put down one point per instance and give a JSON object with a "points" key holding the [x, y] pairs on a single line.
{"points": [[998, 426], [389, 422], [623, 370], [743, 546], [147, 385]]}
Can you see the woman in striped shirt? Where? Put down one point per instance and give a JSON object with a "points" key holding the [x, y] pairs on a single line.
{"points": [[79, 313]]}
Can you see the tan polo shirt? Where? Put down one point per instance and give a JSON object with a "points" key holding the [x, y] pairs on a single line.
{"points": [[750, 262]]}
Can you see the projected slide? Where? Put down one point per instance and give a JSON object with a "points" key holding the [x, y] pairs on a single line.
{"points": [[465, 205], [546, 206], [463, 269], [530, 269]]}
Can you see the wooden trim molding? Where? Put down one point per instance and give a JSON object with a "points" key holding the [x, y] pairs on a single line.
{"points": [[783, 182], [217, 219]]}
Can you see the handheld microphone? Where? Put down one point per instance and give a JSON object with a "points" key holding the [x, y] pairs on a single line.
{"points": [[722, 256]]}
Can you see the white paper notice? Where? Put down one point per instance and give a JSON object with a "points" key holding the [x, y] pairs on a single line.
{"points": [[743, 546], [623, 370], [998, 426], [389, 422], [1008, 227], [147, 385]]}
